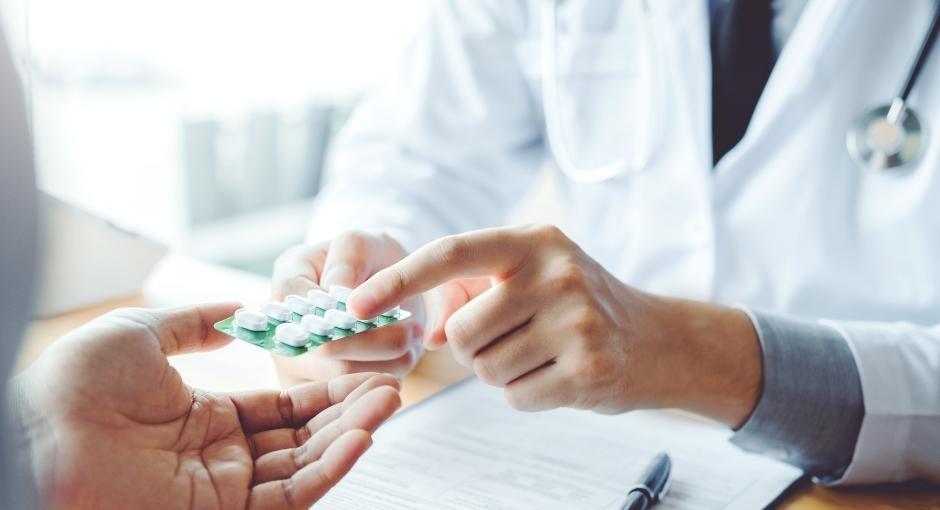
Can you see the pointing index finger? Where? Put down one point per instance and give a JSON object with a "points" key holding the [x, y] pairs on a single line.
{"points": [[489, 252]]}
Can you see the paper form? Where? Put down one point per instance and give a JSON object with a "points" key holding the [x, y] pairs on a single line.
{"points": [[467, 449]]}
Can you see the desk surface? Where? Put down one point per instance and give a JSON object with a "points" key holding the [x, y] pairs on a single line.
{"points": [[437, 372]]}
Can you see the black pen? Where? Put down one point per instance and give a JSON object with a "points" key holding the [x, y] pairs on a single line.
{"points": [[651, 486]]}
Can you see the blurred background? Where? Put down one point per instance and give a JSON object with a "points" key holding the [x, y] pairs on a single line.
{"points": [[195, 124], [179, 146]]}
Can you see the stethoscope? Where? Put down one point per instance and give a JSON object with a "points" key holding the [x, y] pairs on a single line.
{"points": [[555, 135], [886, 138], [890, 137]]}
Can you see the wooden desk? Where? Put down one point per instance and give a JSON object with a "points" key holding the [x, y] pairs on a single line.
{"points": [[437, 371]]}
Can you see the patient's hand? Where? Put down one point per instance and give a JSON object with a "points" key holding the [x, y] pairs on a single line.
{"points": [[348, 260], [112, 425]]}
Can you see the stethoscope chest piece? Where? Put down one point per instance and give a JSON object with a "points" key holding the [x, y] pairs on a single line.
{"points": [[892, 137], [886, 138]]}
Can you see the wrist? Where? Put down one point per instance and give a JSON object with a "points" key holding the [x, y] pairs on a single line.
{"points": [[720, 360]]}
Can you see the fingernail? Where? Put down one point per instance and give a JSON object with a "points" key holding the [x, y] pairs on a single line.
{"points": [[342, 274], [434, 341]]}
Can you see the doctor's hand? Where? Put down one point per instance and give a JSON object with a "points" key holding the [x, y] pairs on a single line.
{"points": [[555, 329], [348, 260], [112, 425]]}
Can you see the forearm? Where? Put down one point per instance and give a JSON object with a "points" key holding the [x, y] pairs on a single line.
{"points": [[790, 387]]}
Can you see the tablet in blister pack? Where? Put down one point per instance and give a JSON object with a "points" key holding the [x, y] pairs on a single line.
{"points": [[301, 323]]}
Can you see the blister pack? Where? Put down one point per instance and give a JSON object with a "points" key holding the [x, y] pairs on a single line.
{"points": [[301, 323]]}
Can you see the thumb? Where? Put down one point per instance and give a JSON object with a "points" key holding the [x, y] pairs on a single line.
{"points": [[186, 329], [298, 269], [348, 261]]}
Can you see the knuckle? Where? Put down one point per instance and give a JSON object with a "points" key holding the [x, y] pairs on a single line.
{"points": [[599, 367], [550, 233], [285, 406], [588, 324], [301, 437], [517, 399], [287, 488], [574, 371], [454, 250], [486, 371], [295, 252], [397, 281], [549, 230], [297, 454], [570, 277], [583, 401], [457, 335], [590, 367], [351, 248], [354, 239], [398, 343]]}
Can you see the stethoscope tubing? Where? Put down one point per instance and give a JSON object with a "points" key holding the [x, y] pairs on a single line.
{"points": [[922, 54], [554, 124]]}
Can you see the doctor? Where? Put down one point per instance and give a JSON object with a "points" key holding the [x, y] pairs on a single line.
{"points": [[743, 239]]}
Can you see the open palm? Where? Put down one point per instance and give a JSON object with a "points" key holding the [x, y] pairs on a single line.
{"points": [[114, 426]]}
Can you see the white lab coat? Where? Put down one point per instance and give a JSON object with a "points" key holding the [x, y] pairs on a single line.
{"points": [[786, 221]]}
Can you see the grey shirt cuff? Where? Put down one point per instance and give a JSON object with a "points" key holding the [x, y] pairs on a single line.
{"points": [[811, 407]]}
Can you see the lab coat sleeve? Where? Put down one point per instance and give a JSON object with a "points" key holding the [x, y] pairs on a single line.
{"points": [[448, 143], [850, 402], [899, 368]]}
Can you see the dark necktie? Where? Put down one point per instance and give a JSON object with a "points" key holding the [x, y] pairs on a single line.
{"points": [[742, 58]]}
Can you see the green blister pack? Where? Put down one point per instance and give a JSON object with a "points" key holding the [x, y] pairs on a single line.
{"points": [[299, 324]]}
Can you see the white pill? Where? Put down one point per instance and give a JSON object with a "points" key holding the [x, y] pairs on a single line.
{"points": [[251, 320], [340, 293], [277, 311], [298, 305], [292, 334], [392, 313], [317, 325], [340, 319], [321, 299]]}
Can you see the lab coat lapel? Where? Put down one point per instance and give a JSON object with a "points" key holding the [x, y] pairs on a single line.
{"points": [[794, 70]]}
